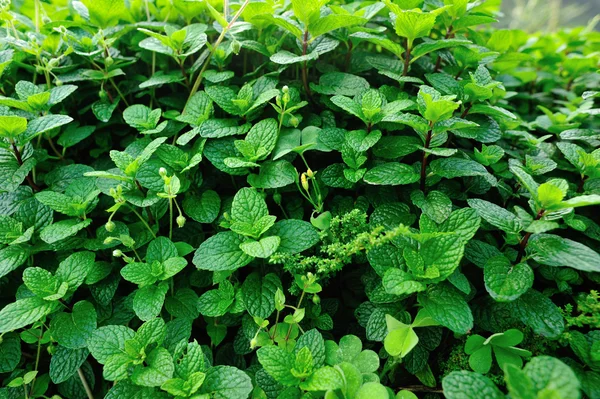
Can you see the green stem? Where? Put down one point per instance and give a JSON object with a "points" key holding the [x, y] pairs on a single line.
{"points": [[287, 336], [212, 51], [85, 384], [112, 82], [143, 220], [37, 357], [170, 218]]}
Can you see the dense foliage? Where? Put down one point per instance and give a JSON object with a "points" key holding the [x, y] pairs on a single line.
{"points": [[296, 199]]}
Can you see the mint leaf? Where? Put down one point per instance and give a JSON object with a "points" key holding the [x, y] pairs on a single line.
{"points": [[221, 252], [446, 305], [469, 385], [553, 250], [506, 282]]}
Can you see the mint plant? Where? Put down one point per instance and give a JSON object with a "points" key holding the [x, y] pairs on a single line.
{"points": [[300, 199]]}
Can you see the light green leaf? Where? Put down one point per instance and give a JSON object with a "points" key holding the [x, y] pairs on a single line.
{"points": [[262, 248]]}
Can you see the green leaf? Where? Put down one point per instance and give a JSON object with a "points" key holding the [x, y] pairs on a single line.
{"points": [[275, 174], [263, 137], [332, 22], [469, 385], [10, 353], [105, 13], [442, 254], [324, 379], [550, 376], [496, 216], [259, 294], [215, 303], [278, 363], [392, 174], [413, 24], [157, 370], [295, 235], [262, 248], [458, 167], [41, 282], [60, 230], [401, 339], [464, 222], [221, 252], [505, 282], [65, 362], [446, 305], [108, 341], [225, 382], [553, 250], [204, 208], [12, 126], [73, 330], [540, 313], [12, 257], [248, 206], [75, 268], [149, 300], [24, 312], [519, 385]]}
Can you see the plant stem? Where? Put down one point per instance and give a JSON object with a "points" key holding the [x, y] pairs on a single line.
{"points": [[143, 221], [287, 336], [54, 149], [33, 186], [348, 56], [170, 218], [112, 82], [275, 329], [305, 65], [424, 160], [525, 240], [466, 111], [86, 386], [37, 358], [407, 58], [212, 51]]}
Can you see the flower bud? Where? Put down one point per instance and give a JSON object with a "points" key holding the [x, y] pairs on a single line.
{"points": [[180, 221], [162, 172], [253, 343], [310, 173], [110, 226], [108, 61], [277, 198], [316, 299], [286, 94], [304, 181], [117, 253], [294, 121]]}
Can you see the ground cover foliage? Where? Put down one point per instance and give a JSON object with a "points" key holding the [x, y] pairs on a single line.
{"points": [[292, 199]]}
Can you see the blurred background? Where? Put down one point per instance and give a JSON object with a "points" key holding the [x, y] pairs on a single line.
{"points": [[548, 15]]}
